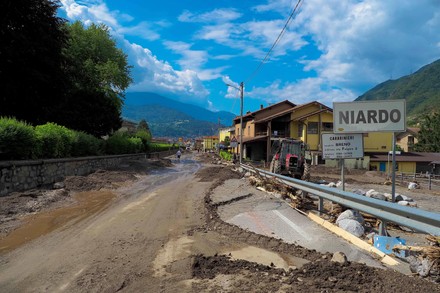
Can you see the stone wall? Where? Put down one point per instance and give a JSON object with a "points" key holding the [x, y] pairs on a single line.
{"points": [[23, 175]]}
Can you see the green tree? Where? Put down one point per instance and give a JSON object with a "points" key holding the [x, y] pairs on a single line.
{"points": [[31, 62], [429, 135], [100, 74]]}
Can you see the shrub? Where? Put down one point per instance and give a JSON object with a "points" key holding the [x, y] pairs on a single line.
{"points": [[86, 145], [226, 155], [145, 137], [54, 141], [121, 143], [136, 145], [17, 139]]}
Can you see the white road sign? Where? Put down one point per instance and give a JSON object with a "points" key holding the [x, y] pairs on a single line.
{"points": [[342, 146], [371, 116]]}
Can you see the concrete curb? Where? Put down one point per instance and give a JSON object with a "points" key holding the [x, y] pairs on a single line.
{"points": [[384, 258]]}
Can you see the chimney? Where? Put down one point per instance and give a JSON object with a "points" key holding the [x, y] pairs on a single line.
{"points": [[261, 107]]}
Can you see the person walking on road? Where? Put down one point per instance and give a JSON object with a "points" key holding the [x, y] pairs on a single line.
{"points": [[178, 154]]}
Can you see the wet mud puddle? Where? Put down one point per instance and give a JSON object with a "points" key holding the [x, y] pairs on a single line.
{"points": [[88, 203]]}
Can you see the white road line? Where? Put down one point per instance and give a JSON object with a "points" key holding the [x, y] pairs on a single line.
{"points": [[292, 225]]}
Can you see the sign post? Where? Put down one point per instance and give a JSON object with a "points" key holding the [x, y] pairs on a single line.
{"points": [[372, 116], [342, 146]]}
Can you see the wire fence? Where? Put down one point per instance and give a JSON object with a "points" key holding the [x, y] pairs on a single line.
{"points": [[425, 180]]}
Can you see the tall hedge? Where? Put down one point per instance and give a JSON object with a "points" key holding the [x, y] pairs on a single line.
{"points": [[17, 139], [54, 141]]}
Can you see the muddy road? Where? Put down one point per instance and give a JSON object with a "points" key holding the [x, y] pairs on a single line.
{"points": [[160, 231]]}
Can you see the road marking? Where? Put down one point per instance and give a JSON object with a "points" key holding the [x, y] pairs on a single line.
{"points": [[293, 225]]}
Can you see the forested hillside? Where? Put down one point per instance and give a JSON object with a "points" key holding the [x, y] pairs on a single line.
{"points": [[420, 89]]}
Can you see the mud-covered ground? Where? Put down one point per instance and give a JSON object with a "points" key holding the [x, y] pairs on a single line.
{"points": [[169, 239], [19, 205]]}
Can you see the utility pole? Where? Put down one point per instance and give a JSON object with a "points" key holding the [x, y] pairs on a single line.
{"points": [[241, 89], [241, 119]]}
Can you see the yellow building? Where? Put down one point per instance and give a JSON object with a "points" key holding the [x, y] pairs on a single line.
{"points": [[308, 123], [227, 132], [210, 142]]}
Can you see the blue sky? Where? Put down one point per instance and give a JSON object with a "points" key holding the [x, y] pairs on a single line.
{"points": [[332, 50]]}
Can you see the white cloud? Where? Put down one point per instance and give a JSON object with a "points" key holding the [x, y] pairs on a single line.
{"points": [[155, 75], [148, 72], [233, 87], [360, 43], [194, 60], [303, 91], [216, 15], [370, 41]]}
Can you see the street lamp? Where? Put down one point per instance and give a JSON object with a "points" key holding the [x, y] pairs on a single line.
{"points": [[241, 115]]}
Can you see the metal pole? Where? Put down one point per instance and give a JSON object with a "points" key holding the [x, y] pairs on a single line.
{"points": [[393, 186], [343, 175], [241, 120]]}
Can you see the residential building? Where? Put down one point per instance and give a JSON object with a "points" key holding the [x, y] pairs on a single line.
{"points": [[210, 142], [406, 140]]}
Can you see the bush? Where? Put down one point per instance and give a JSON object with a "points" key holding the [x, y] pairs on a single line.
{"points": [[145, 137], [17, 139], [136, 145], [226, 155], [160, 147], [121, 143], [54, 141], [87, 145]]}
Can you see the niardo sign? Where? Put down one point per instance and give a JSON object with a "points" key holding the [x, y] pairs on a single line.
{"points": [[358, 117]]}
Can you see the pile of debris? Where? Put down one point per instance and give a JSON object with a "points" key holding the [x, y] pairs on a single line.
{"points": [[424, 260]]}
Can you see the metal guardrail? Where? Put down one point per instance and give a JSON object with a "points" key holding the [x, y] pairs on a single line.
{"points": [[417, 219]]}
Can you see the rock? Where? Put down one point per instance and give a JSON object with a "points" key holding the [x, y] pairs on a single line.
{"points": [[388, 196], [359, 191], [350, 214], [339, 257], [352, 226], [412, 185], [419, 265], [331, 184], [58, 185], [378, 195], [368, 193], [339, 183], [407, 203], [332, 279]]}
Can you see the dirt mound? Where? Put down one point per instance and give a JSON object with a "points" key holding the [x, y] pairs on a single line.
{"points": [[321, 275], [219, 173], [98, 180]]}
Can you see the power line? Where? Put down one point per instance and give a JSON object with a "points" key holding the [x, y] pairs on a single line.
{"points": [[278, 39]]}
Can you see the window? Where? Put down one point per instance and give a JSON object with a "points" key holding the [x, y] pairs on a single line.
{"points": [[327, 126], [300, 130], [410, 139], [312, 128]]}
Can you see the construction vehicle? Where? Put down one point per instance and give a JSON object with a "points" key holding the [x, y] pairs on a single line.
{"points": [[289, 158]]}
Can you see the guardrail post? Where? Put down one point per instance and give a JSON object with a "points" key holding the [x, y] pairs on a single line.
{"points": [[383, 228], [320, 205]]}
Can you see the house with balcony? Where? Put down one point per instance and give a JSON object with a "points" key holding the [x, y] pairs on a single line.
{"points": [[260, 127]]}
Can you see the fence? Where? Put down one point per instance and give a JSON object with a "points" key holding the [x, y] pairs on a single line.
{"points": [[429, 181]]}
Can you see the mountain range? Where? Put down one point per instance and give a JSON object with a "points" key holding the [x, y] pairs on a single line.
{"points": [[171, 118], [421, 90]]}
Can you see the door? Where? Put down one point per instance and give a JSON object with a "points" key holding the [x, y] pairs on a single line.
{"points": [[382, 167]]}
